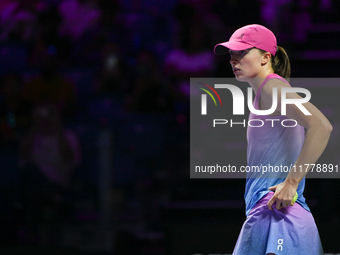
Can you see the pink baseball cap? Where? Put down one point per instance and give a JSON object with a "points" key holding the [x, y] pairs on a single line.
{"points": [[247, 37]]}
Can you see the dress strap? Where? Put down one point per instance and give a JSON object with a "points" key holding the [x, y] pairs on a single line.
{"points": [[258, 93]]}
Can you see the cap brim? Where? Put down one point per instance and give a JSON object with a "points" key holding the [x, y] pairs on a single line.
{"points": [[223, 48]]}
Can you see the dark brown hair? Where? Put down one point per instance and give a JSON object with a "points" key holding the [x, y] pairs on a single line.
{"points": [[280, 63]]}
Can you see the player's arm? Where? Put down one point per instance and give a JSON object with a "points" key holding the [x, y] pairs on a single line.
{"points": [[318, 130]]}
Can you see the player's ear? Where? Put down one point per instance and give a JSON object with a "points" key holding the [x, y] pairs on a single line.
{"points": [[265, 58]]}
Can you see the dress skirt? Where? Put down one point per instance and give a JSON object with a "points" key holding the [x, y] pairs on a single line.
{"points": [[289, 231]]}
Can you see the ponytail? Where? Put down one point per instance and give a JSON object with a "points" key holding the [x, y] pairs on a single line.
{"points": [[280, 63]]}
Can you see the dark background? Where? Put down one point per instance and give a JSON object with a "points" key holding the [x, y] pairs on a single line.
{"points": [[117, 73]]}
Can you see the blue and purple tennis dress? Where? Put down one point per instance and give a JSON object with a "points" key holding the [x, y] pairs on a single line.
{"points": [[290, 230]]}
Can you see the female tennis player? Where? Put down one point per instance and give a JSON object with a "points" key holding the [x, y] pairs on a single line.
{"points": [[275, 224]]}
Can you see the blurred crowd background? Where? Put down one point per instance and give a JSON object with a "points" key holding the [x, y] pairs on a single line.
{"points": [[94, 121]]}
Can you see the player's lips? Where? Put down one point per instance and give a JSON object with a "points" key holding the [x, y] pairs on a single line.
{"points": [[236, 69]]}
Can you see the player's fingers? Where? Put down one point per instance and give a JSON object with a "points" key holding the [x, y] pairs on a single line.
{"points": [[278, 205], [270, 203], [272, 188]]}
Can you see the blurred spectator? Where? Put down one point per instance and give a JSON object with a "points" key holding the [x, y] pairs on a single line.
{"points": [[50, 88], [47, 42], [18, 21], [325, 11], [112, 82], [302, 20], [192, 59], [191, 12], [49, 155], [237, 13], [184, 14], [110, 27], [278, 16], [50, 147], [14, 112], [78, 16], [14, 121], [4, 4], [149, 95], [113, 72], [109, 9]]}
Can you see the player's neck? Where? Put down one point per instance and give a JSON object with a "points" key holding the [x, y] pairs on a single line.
{"points": [[256, 82]]}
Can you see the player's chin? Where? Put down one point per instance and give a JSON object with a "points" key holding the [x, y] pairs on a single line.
{"points": [[241, 78]]}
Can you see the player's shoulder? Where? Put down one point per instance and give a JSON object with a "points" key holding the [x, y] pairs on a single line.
{"points": [[277, 82]]}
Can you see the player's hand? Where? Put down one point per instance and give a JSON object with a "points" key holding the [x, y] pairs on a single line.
{"points": [[283, 196]]}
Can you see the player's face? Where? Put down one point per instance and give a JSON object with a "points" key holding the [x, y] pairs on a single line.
{"points": [[245, 63]]}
